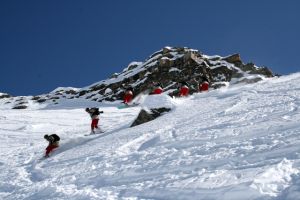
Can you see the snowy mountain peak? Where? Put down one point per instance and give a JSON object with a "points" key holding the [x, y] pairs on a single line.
{"points": [[167, 66]]}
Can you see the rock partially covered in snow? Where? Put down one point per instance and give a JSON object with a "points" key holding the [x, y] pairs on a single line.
{"points": [[61, 90], [4, 95], [153, 107], [149, 115]]}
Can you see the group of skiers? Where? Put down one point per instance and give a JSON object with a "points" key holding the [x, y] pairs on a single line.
{"points": [[184, 89], [128, 96], [54, 139]]}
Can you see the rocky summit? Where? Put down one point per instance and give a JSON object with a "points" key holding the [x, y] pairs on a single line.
{"points": [[169, 66]]}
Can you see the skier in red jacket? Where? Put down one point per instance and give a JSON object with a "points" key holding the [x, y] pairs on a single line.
{"points": [[184, 89], [204, 85], [158, 89], [128, 95], [53, 143]]}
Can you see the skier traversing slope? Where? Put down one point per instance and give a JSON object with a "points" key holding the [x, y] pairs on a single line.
{"points": [[94, 113], [204, 85], [184, 89], [128, 95], [157, 89]]}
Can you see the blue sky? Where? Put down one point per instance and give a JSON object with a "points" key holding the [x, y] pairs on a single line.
{"points": [[47, 44]]}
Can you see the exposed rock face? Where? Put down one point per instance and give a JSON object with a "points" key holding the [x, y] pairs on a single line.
{"points": [[235, 59], [20, 107], [172, 65], [146, 116], [167, 66], [4, 95]]}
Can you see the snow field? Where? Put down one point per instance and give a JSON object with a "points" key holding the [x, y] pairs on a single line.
{"points": [[238, 142]]}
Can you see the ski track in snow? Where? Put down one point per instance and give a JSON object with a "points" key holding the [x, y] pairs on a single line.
{"points": [[239, 142]]}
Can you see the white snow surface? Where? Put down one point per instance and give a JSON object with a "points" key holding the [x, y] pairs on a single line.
{"points": [[238, 142], [159, 101]]}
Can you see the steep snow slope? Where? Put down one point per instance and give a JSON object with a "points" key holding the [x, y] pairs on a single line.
{"points": [[239, 142]]}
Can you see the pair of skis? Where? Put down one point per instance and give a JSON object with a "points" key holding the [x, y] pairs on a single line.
{"points": [[95, 133]]}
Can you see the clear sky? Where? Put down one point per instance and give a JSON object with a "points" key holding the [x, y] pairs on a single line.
{"points": [[53, 43]]}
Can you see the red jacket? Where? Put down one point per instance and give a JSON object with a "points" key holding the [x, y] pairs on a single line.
{"points": [[204, 86], [184, 91], [158, 90], [128, 97]]}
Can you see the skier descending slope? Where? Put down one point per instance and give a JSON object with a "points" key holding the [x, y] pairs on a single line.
{"points": [[128, 95], [204, 85], [184, 89], [138, 99], [53, 143], [158, 89], [94, 113]]}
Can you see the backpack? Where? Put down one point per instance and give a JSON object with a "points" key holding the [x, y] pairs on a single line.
{"points": [[56, 137], [95, 111]]}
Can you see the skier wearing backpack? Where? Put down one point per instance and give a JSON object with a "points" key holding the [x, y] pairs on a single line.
{"points": [[184, 89], [53, 143], [94, 113]]}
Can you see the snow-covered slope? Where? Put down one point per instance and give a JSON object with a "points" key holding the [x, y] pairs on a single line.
{"points": [[239, 142]]}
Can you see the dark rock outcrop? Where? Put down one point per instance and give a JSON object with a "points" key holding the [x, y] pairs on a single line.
{"points": [[146, 116], [4, 95], [235, 58], [20, 107]]}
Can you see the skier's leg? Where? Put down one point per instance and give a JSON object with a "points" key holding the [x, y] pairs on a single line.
{"points": [[49, 149], [96, 123], [93, 125]]}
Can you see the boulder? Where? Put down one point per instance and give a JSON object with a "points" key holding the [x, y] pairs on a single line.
{"points": [[4, 95], [235, 58], [146, 116], [20, 107]]}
